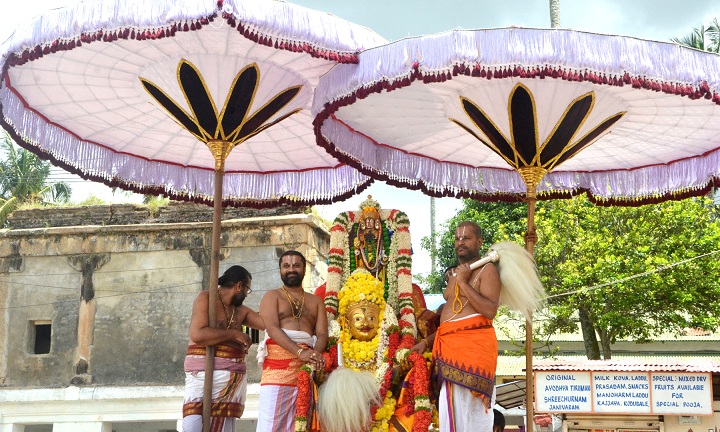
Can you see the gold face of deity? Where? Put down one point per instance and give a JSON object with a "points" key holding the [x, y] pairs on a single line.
{"points": [[370, 220], [363, 320]]}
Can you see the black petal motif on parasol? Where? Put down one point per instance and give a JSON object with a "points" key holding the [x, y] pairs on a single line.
{"points": [[254, 124], [173, 109], [239, 98], [198, 97], [523, 149], [232, 124], [589, 138], [523, 125]]}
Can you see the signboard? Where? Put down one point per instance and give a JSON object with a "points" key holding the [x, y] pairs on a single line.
{"points": [[638, 393], [563, 392], [682, 394], [621, 392]]}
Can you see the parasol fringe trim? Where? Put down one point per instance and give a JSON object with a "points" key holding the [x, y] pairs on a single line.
{"points": [[66, 28], [179, 182], [688, 177], [580, 55]]}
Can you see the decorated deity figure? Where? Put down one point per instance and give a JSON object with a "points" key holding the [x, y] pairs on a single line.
{"points": [[371, 240], [369, 301], [378, 241], [364, 393]]}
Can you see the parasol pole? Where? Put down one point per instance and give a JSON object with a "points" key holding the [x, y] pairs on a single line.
{"points": [[220, 150], [531, 175]]}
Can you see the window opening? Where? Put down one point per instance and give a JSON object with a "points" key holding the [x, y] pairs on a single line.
{"points": [[43, 331]]}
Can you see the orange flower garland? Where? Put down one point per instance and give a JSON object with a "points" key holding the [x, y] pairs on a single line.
{"points": [[388, 402], [304, 397], [420, 381]]}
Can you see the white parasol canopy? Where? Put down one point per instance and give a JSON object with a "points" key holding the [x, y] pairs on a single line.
{"points": [[522, 113], [628, 121], [71, 92]]}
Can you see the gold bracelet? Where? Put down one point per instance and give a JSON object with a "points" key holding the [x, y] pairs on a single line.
{"points": [[300, 351]]}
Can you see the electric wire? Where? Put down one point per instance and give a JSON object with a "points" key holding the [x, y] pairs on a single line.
{"points": [[635, 276]]}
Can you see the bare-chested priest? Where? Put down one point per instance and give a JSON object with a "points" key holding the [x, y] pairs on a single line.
{"points": [[231, 345], [297, 333]]}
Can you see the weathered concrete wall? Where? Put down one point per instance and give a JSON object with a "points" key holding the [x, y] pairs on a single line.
{"points": [[119, 297], [130, 214]]}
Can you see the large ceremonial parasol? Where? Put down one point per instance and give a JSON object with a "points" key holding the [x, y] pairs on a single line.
{"points": [[526, 114], [152, 96]]}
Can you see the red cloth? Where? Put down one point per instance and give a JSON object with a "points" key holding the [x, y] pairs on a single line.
{"points": [[280, 366], [320, 291]]}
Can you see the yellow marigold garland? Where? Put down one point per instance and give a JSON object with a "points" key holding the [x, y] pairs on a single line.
{"points": [[361, 286], [383, 414]]}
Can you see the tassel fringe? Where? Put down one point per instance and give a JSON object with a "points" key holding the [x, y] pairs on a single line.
{"points": [[530, 54], [274, 24]]}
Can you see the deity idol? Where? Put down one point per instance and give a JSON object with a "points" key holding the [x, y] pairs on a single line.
{"points": [[377, 240], [370, 240], [370, 305], [360, 394]]}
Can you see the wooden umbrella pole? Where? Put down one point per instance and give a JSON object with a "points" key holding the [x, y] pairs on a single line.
{"points": [[531, 176], [220, 150], [529, 392]]}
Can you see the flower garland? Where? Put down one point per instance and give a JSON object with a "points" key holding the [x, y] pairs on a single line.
{"points": [[384, 375], [384, 414], [304, 396], [361, 287], [419, 387], [399, 267], [306, 387]]}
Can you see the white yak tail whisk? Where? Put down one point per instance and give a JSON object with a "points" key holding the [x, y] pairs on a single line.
{"points": [[521, 290]]}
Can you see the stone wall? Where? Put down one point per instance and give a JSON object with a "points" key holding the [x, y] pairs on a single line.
{"points": [[131, 214], [119, 297]]}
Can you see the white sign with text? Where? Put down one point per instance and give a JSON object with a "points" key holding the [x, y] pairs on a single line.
{"points": [[682, 394], [623, 392], [563, 392]]}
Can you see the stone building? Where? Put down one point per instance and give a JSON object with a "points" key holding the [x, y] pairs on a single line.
{"points": [[96, 301]]}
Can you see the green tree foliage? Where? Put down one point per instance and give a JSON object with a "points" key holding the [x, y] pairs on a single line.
{"points": [[154, 203], [703, 38], [92, 200], [24, 180], [619, 272], [583, 246]]}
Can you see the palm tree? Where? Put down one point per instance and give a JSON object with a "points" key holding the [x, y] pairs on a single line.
{"points": [[554, 13], [24, 179], [703, 38]]}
